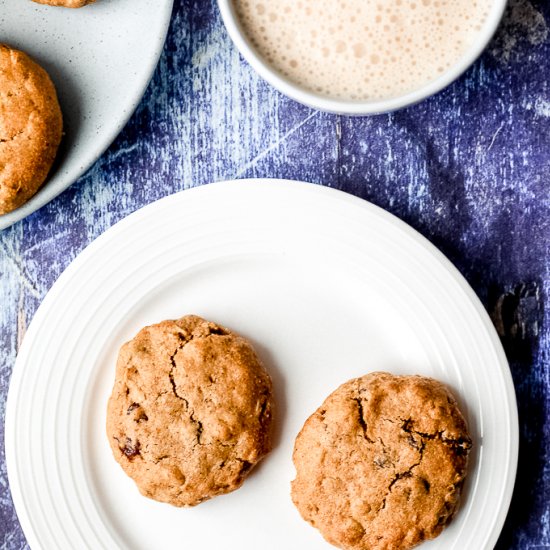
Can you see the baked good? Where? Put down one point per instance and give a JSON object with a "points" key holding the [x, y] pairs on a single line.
{"points": [[381, 463], [191, 409], [66, 3], [31, 125]]}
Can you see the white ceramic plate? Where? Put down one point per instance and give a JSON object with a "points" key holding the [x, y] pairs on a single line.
{"points": [[100, 58], [325, 285]]}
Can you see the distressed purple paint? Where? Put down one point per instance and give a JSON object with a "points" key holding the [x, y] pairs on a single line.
{"points": [[469, 168]]}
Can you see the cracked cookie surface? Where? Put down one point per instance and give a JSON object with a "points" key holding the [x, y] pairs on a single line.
{"points": [[31, 125], [191, 410], [380, 465], [65, 3]]}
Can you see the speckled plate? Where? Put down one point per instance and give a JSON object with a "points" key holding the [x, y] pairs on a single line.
{"points": [[101, 58], [326, 286]]}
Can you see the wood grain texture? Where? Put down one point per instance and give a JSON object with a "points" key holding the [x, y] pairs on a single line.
{"points": [[469, 168]]}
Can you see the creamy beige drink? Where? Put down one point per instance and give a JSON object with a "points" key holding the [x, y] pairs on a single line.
{"points": [[362, 49]]}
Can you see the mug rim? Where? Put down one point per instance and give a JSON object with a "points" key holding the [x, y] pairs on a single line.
{"points": [[356, 107]]}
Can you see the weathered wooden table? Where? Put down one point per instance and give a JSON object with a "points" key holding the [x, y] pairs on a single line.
{"points": [[469, 168]]}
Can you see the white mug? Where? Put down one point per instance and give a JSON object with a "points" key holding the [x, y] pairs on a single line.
{"points": [[354, 107]]}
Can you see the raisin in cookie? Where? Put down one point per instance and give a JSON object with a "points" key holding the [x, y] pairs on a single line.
{"points": [[30, 127], [191, 409], [66, 3], [381, 463]]}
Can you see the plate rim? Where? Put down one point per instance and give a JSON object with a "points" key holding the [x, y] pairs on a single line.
{"points": [[46, 194], [291, 185]]}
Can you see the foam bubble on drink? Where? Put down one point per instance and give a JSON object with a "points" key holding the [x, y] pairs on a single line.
{"points": [[362, 49]]}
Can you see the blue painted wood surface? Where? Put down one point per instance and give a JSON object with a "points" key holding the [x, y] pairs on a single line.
{"points": [[469, 168]]}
